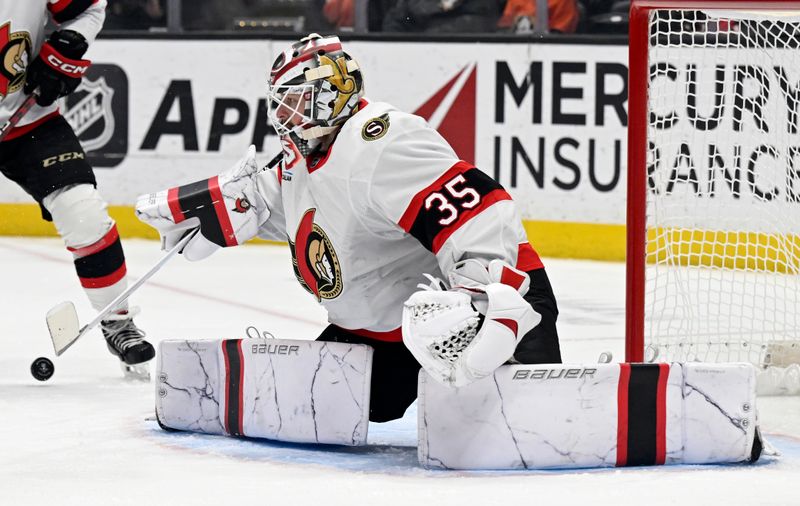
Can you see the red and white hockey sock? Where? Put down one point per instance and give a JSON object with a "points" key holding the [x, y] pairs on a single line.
{"points": [[101, 269]]}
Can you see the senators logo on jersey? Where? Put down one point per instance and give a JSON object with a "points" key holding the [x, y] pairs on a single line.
{"points": [[15, 52], [315, 262], [375, 128]]}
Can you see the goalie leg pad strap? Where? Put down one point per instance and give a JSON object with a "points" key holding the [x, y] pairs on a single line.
{"points": [[601, 415], [280, 389]]}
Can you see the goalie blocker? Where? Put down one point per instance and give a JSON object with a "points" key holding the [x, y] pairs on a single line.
{"points": [[279, 389], [601, 415]]}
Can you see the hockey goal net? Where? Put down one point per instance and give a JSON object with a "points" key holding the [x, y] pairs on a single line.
{"points": [[714, 186]]}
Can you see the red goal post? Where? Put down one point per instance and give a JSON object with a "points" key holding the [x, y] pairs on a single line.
{"points": [[643, 150]]}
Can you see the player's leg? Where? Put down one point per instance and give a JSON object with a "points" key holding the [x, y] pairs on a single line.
{"points": [[50, 164], [394, 374], [540, 345]]}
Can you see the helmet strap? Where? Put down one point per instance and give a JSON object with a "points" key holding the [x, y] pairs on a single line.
{"points": [[317, 132]]}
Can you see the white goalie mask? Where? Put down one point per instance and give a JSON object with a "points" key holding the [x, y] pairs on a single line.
{"points": [[314, 87]]}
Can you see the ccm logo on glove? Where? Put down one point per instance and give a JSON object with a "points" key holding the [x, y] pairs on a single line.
{"points": [[75, 68]]}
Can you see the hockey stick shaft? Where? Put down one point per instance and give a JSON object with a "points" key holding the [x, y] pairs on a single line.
{"points": [[21, 111], [114, 304]]}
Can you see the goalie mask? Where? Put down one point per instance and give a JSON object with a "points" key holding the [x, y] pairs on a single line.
{"points": [[314, 87]]}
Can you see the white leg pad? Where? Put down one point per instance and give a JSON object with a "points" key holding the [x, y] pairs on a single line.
{"points": [[279, 389], [583, 416]]}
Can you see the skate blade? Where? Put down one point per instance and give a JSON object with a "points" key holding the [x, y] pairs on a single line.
{"points": [[136, 372]]}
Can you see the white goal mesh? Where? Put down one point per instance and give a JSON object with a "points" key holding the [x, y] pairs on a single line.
{"points": [[723, 197]]}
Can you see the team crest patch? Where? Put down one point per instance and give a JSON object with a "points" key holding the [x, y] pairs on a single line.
{"points": [[242, 205], [375, 128], [314, 260], [15, 49]]}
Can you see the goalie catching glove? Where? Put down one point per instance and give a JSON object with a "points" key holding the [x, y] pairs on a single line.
{"points": [[228, 209], [448, 336]]}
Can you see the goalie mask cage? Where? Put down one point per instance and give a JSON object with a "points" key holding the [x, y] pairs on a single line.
{"points": [[713, 255]]}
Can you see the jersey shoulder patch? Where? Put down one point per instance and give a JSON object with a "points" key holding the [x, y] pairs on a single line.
{"points": [[375, 128]]}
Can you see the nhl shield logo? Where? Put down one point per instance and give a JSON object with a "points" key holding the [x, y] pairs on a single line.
{"points": [[98, 112], [89, 113]]}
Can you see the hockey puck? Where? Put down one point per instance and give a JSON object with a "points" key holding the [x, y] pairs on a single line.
{"points": [[42, 369]]}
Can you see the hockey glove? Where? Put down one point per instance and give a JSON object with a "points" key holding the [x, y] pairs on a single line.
{"points": [[450, 340], [227, 208], [58, 68], [472, 275]]}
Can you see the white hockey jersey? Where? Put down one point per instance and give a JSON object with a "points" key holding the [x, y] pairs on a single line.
{"points": [[22, 24], [389, 201]]}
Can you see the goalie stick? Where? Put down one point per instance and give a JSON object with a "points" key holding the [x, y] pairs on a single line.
{"points": [[21, 111], [62, 319]]}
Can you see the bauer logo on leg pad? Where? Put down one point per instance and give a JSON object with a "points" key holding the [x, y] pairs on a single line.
{"points": [[554, 374], [275, 349]]}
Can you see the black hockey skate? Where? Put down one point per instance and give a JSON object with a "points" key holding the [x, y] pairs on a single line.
{"points": [[126, 341]]}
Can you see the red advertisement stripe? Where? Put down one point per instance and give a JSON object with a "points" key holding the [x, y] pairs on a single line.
{"points": [[110, 238], [407, 220], [174, 205], [661, 414], [487, 201], [622, 414], [222, 213], [105, 281]]}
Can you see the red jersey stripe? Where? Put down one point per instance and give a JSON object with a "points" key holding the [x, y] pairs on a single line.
{"points": [[59, 6], [487, 201], [22, 130], [527, 258], [511, 278], [414, 207]]}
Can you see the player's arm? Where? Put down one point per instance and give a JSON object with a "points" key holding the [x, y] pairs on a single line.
{"points": [[230, 208], [85, 17], [58, 68], [468, 221]]}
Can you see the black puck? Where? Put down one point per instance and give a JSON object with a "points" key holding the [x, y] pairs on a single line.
{"points": [[42, 369]]}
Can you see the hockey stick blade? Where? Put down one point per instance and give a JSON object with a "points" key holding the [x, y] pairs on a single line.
{"points": [[62, 319], [62, 322]]}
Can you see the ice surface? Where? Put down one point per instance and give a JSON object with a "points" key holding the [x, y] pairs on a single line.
{"points": [[84, 438]]}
